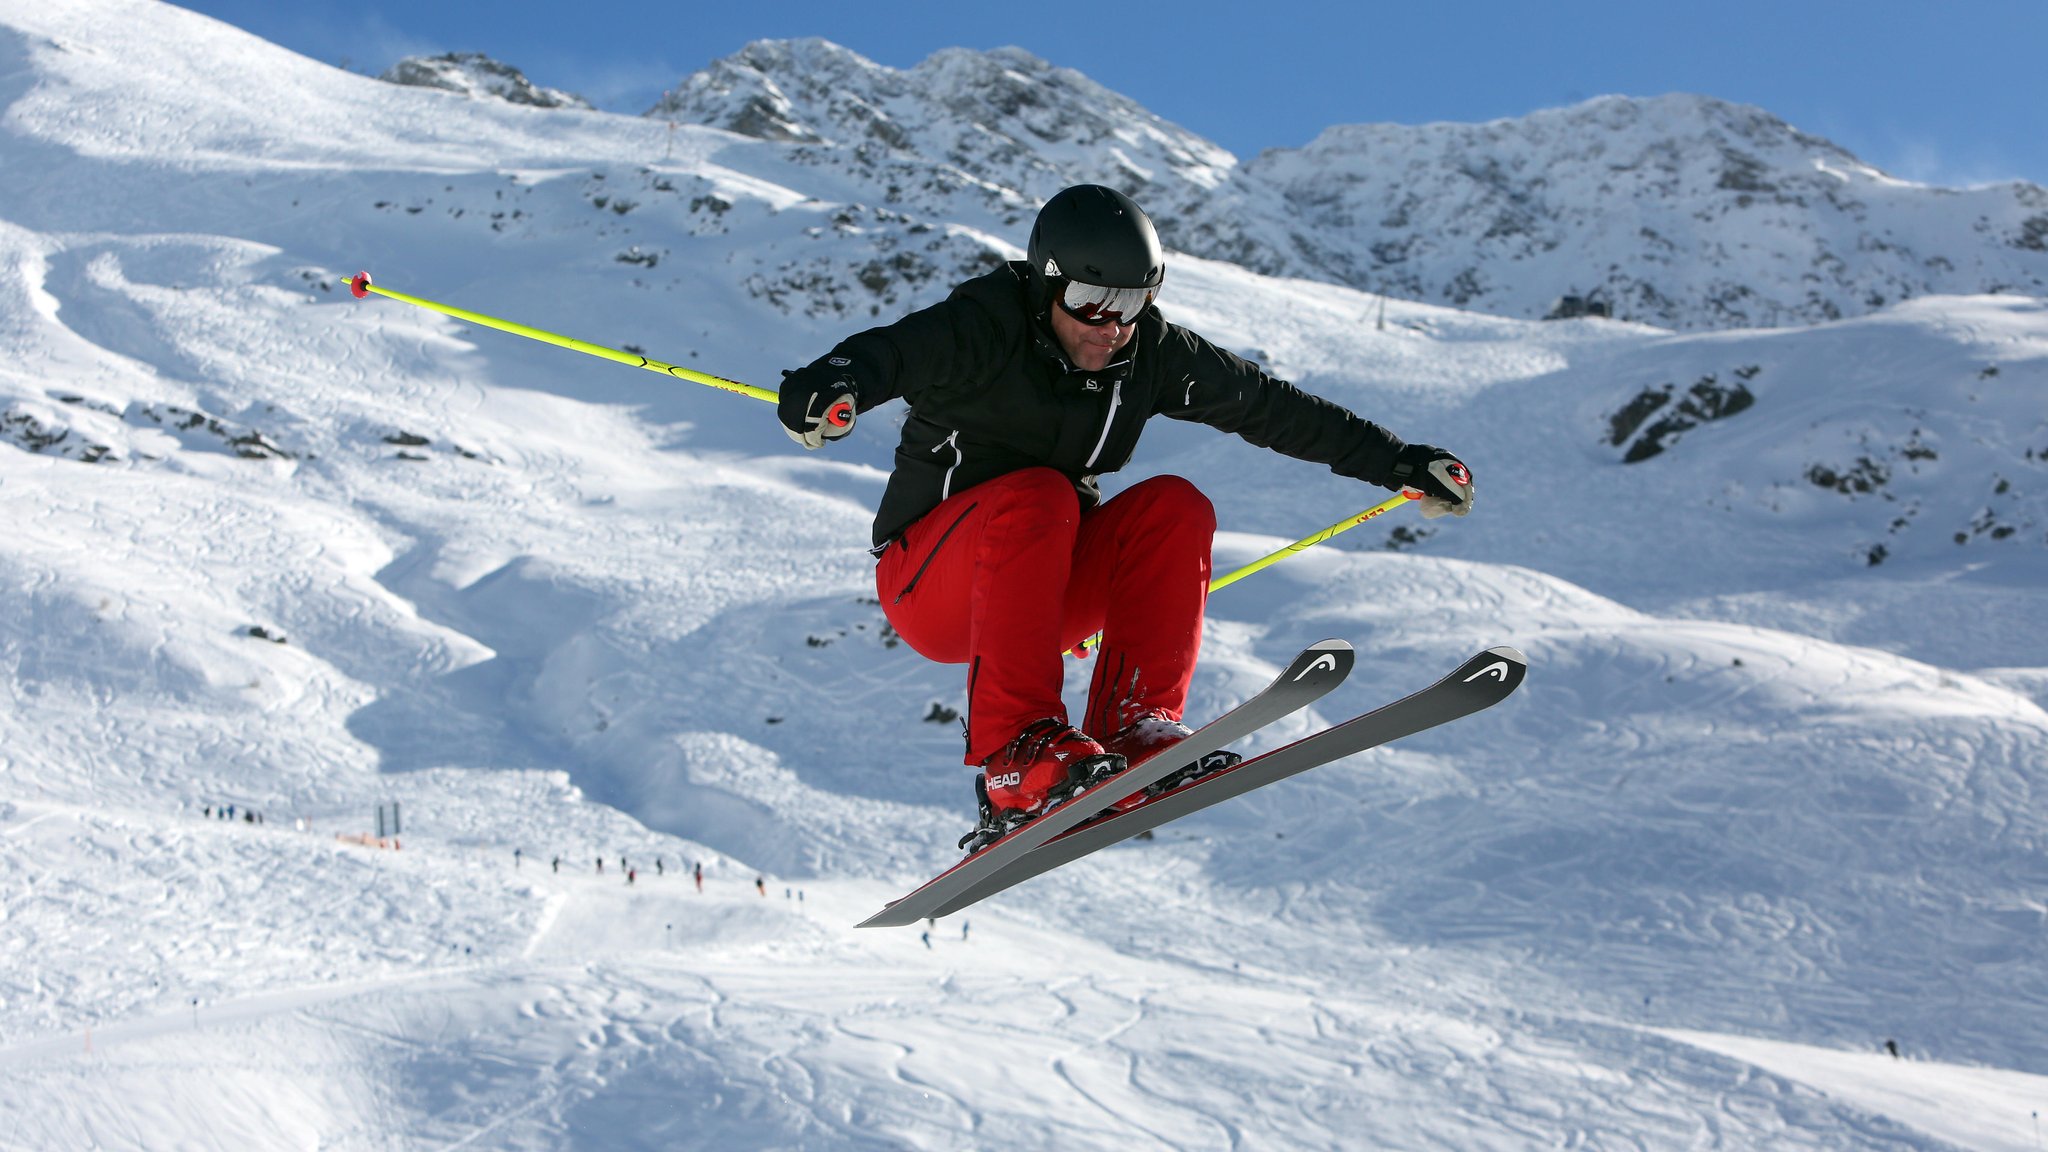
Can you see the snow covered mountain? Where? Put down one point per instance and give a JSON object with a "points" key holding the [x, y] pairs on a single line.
{"points": [[1003, 124], [1766, 803], [1680, 211], [475, 74]]}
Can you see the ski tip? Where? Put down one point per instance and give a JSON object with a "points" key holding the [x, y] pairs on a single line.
{"points": [[1329, 660], [1500, 665]]}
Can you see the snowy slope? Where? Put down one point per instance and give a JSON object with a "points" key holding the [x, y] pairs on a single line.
{"points": [[1763, 804]]}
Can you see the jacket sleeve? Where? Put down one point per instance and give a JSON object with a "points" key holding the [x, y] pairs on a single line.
{"points": [[947, 343], [1208, 384]]}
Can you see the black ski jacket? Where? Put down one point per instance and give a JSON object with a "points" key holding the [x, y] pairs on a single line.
{"points": [[991, 391]]}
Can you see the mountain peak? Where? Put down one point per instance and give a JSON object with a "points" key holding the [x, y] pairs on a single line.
{"points": [[1002, 118], [1682, 210], [1685, 211], [476, 75], [1688, 120]]}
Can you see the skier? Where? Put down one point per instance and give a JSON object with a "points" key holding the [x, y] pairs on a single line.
{"points": [[995, 547]]}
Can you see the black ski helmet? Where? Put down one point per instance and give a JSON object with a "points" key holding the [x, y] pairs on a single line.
{"points": [[1096, 235]]}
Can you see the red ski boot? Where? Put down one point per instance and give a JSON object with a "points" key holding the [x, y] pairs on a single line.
{"points": [[1152, 735], [1047, 762]]}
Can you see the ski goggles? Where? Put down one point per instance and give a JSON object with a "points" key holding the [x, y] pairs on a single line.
{"points": [[1095, 305]]}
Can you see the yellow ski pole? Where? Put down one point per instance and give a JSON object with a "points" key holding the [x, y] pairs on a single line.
{"points": [[361, 286], [1085, 647], [1307, 542]]}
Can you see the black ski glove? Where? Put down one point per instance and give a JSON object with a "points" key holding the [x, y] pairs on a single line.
{"points": [[1443, 479], [817, 403]]}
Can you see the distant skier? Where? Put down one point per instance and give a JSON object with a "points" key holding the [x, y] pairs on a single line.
{"points": [[996, 550], [698, 872], [761, 886], [556, 864]]}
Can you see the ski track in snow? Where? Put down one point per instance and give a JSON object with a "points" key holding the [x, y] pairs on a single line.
{"points": [[1762, 805]]}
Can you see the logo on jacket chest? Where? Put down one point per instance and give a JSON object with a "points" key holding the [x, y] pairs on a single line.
{"points": [[1075, 384]]}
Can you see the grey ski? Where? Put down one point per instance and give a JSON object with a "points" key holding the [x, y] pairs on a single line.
{"points": [[1480, 683], [1319, 668]]}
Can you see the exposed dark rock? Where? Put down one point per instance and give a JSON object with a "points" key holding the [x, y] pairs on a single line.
{"points": [[1707, 400], [474, 74]]}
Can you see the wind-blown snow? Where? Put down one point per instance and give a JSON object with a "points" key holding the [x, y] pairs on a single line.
{"points": [[1767, 801]]}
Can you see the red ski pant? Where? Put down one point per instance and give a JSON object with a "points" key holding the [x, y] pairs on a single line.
{"points": [[1008, 575]]}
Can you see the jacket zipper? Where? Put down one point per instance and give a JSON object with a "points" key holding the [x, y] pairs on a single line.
{"points": [[1116, 397], [952, 441]]}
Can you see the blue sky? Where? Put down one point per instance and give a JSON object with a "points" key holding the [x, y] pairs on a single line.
{"points": [[1947, 93]]}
